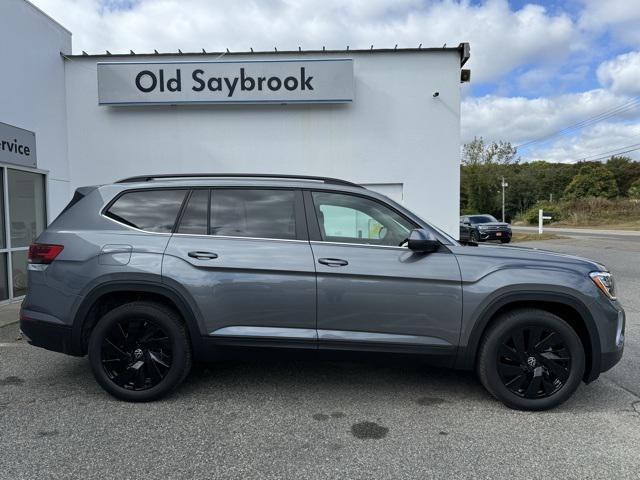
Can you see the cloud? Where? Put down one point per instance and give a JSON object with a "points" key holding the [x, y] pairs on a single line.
{"points": [[519, 120], [621, 74], [501, 38], [594, 143], [620, 17]]}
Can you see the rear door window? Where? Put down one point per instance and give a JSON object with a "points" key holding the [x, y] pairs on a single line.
{"points": [[260, 213], [194, 218], [150, 210]]}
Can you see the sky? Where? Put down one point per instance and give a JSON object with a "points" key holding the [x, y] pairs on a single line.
{"points": [[558, 79]]}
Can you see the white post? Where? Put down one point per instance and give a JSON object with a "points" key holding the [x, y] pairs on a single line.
{"points": [[540, 217], [504, 185]]}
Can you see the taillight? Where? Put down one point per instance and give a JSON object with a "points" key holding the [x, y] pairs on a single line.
{"points": [[43, 252]]}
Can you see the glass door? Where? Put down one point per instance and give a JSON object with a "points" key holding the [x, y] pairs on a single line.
{"points": [[23, 219]]}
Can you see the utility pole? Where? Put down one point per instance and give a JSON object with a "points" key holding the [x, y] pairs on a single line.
{"points": [[504, 185]]}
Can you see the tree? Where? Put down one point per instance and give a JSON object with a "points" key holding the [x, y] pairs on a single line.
{"points": [[625, 171], [634, 189], [592, 180], [482, 169]]}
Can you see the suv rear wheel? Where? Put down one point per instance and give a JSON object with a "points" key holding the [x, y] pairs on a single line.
{"points": [[531, 360], [140, 351]]}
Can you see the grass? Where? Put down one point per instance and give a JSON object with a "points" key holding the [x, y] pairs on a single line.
{"points": [[530, 237], [599, 213]]}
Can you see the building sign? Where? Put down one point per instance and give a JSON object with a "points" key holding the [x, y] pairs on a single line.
{"points": [[17, 146], [285, 81]]}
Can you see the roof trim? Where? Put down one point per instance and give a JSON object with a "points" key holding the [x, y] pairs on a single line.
{"points": [[462, 49]]}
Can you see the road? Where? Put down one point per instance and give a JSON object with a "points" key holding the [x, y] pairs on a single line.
{"points": [[300, 418]]}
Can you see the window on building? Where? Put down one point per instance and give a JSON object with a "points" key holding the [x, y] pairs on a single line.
{"points": [[355, 219], [150, 210], [258, 213]]}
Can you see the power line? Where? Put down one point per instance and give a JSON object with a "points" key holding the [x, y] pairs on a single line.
{"points": [[612, 112], [607, 154], [613, 149]]}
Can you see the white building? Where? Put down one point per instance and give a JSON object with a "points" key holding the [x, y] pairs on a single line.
{"points": [[385, 118]]}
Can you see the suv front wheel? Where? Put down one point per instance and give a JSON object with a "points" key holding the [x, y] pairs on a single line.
{"points": [[140, 351], [531, 359]]}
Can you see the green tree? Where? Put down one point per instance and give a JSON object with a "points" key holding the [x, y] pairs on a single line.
{"points": [[592, 180], [482, 168], [634, 189], [625, 171]]}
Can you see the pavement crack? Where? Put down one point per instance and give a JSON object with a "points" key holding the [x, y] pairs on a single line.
{"points": [[624, 388]]}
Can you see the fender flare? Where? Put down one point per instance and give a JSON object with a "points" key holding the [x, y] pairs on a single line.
{"points": [[467, 354], [183, 306]]}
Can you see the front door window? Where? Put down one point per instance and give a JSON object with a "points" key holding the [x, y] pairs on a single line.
{"points": [[354, 219]]}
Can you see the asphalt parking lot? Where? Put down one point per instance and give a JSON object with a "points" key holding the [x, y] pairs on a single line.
{"points": [[299, 418]]}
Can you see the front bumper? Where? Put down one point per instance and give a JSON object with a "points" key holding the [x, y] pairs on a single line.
{"points": [[50, 336], [495, 235], [610, 359]]}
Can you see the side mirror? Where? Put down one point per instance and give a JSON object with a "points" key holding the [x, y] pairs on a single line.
{"points": [[423, 241]]}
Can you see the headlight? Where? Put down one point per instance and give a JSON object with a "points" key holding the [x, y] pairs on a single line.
{"points": [[482, 227], [604, 281]]}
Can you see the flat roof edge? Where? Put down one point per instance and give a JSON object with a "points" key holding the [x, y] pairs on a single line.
{"points": [[462, 49]]}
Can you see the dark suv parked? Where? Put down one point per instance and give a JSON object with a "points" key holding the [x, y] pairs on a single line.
{"points": [[479, 228], [150, 273]]}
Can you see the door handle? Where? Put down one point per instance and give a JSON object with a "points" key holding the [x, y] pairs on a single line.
{"points": [[333, 262], [203, 255]]}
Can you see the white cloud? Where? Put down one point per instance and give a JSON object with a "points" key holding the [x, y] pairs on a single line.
{"points": [[594, 143], [501, 39], [519, 119], [621, 74], [620, 17]]}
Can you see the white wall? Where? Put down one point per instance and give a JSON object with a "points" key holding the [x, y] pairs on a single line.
{"points": [[32, 88], [394, 131]]}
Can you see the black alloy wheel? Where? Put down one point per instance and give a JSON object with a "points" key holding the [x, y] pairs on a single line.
{"points": [[531, 359], [136, 354], [474, 237], [534, 362], [140, 351]]}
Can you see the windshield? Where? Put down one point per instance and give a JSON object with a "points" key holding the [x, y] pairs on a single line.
{"points": [[482, 219]]}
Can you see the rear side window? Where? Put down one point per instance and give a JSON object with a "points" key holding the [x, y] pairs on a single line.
{"points": [[258, 213], [150, 210]]}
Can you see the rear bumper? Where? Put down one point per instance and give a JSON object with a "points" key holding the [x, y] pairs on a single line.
{"points": [[47, 335]]}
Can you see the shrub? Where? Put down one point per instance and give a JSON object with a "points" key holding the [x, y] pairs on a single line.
{"points": [[634, 189], [552, 209]]}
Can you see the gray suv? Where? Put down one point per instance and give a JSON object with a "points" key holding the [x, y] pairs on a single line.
{"points": [[151, 273]]}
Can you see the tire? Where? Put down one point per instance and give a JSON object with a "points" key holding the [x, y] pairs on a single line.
{"points": [[140, 351], [539, 384], [474, 237], [505, 240]]}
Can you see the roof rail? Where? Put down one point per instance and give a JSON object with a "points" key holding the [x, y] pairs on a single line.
{"points": [[148, 178]]}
